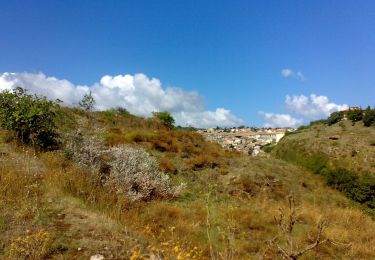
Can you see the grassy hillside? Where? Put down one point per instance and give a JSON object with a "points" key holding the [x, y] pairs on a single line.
{"points": [[54, 205], [343, 153]]}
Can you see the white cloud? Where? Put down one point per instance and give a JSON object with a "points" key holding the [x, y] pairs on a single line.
{"points": [[286, 73], [137, 93], [280, 120], [219, 117], [313, 107], [306, 108]]}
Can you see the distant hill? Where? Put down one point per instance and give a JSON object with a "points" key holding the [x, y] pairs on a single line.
{"points": [[343, 153]]}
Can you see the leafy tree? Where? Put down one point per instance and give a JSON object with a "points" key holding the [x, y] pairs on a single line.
{"points": [[355, 115], [87, 102], [32, 118], [165, 118], [369, 117], [335, 117]]}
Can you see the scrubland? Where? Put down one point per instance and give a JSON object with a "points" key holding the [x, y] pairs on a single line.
{"points": [[214, 204]]}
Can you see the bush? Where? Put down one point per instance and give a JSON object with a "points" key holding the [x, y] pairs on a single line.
{"points": [[135, 173], [32, 118], [335, 117], [355, 115], [360, 188], [125, 170], [369, 117], [85, 150], [165, 118], [88, 102], [268, 148]]}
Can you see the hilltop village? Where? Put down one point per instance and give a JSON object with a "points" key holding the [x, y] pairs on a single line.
{"points": [[247, 140]]}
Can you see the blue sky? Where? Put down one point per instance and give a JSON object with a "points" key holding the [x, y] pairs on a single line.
{"points": [[231, 52]]}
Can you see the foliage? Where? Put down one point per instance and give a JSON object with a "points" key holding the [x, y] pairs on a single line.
{"points": [[360, 188], [87, 102], [186, 128], [369, 117], [335, 117], [123, 169], [136, 174], [268, 148], [165, 118], [32, 118], [122, 111], [85, 150], [355, 115]]}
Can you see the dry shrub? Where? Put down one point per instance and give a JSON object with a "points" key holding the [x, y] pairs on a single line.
{"points": [[86, 150], [122, 169], [135, 173], [166, 165], [248, 184]]}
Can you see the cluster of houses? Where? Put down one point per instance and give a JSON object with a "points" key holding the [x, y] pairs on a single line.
{"points": [[248, 140]]}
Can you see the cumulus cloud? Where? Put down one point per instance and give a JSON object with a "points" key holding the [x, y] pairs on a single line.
{"points": [[280, 120], [313, 107], [305, 108], [286, 73], [137, 93]]}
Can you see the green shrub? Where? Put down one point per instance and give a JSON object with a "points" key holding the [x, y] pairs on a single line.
{"points": [[355, 115], [165, 118], [268, 148], [369, 117], [30, 117], [334, 118], [360, 188]]}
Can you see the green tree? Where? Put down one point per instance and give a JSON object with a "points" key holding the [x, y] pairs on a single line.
{"points": [[30, 117], [335, 117], [165, 118], [369, 117], [355, 115], [87, 102]]}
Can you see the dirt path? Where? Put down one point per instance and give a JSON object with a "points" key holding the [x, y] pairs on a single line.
{"points": [[86, 232]]}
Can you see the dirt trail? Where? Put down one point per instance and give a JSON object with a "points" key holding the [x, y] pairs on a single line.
{"points": [[86, 232]]}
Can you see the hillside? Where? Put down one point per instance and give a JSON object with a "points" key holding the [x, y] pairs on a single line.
{"points": [[343, 153], [186, 199]]}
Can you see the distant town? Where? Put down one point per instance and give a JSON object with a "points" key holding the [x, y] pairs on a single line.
{"points": [[249, 140]]}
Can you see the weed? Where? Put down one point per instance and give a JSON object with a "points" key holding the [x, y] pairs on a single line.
{"points": [[31, 246]]}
